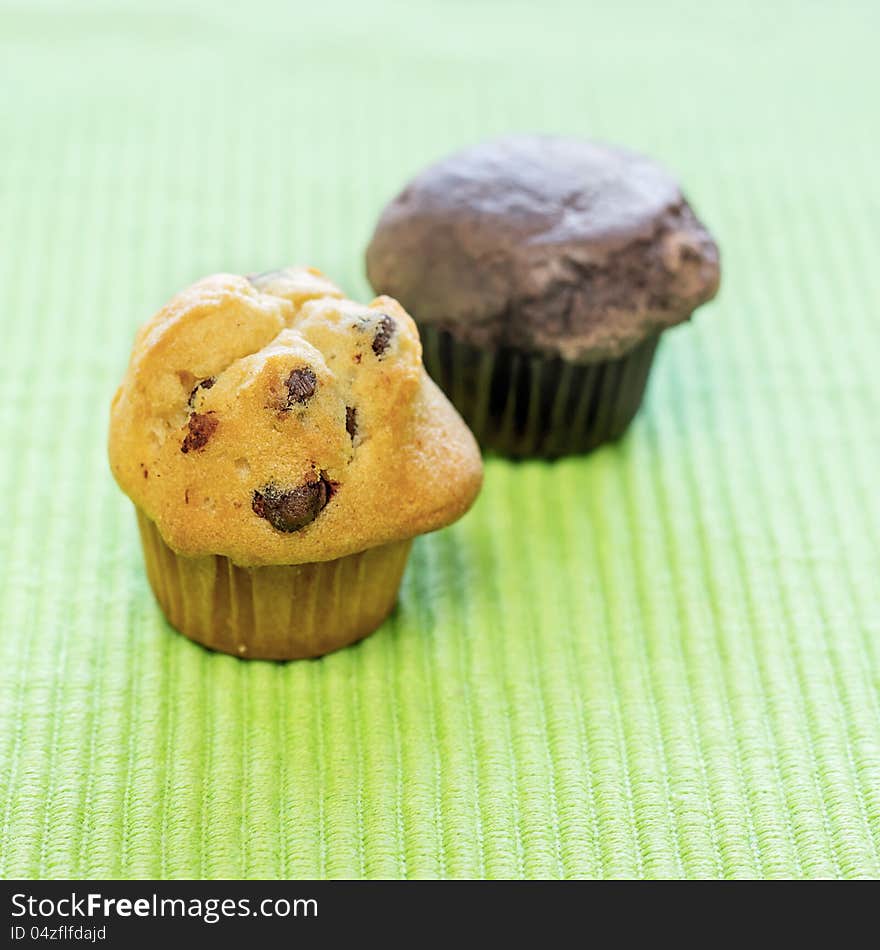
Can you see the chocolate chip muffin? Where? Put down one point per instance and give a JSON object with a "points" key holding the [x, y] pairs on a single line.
{"points": [[283, 446], [542, 271]]}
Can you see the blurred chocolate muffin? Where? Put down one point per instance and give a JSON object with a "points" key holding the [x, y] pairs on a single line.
{"points": [[541, 271]]}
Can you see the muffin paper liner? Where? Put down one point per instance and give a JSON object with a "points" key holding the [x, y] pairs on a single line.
{"points": [[277, 612], [519, 404]]}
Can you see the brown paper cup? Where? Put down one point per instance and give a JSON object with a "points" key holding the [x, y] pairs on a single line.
{"points": [[519, 404], [273, 613]]}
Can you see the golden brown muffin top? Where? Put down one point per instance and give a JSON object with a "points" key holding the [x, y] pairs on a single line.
{"points": [[271, 420]]}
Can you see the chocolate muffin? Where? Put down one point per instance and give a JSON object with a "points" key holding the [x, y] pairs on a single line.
{"points": [[541, 271]]}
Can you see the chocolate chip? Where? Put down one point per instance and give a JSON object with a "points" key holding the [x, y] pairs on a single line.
{"points": [[201, 428], [351, 425], [204, 384], [383, 335], [301, 385], [289, 509]]}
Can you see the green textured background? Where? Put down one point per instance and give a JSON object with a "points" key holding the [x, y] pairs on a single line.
{"points": [[661, 660]]}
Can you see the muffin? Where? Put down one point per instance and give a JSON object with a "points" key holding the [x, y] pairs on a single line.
{"points": [[541, 271], [283, 446]]}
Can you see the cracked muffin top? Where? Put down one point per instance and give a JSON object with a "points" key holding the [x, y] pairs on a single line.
{"points": [[552, 245], [273, 421]]}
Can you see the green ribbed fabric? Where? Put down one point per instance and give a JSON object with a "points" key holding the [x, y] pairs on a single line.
{"points": [[660, 660]]}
